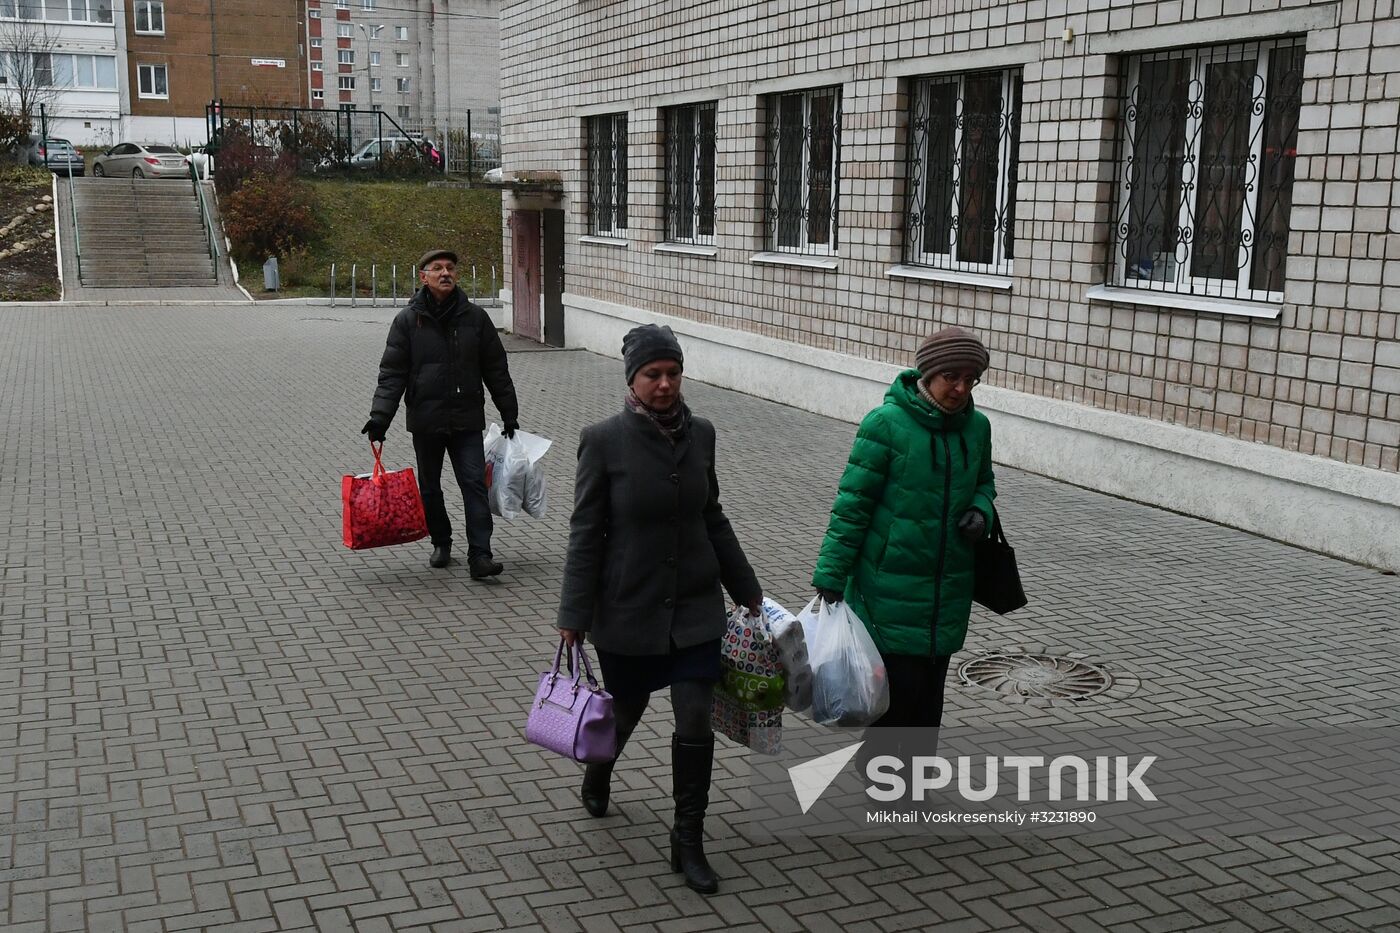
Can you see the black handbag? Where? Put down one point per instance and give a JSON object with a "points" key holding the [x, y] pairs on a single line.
{"points": [[996, 583]]}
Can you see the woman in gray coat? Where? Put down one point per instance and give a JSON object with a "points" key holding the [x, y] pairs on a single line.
{"points": [[649, 548]]}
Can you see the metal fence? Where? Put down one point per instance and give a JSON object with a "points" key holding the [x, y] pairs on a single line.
{"points": [[347, 282], [312, 140]]}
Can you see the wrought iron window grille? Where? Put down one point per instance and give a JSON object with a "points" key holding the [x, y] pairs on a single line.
{"points": [[607, 174], [1207, 152], [803, 155], [960, 205], [690, 173]]}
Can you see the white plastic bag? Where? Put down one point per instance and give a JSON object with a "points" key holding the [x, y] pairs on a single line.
{"points": [[792, 654], [515, 477], [849, 686]]}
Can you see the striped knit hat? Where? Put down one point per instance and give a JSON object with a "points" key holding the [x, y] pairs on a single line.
{"points": [[950, 349]]}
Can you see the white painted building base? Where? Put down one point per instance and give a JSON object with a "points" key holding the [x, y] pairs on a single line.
{"points": [[1320, 504]]}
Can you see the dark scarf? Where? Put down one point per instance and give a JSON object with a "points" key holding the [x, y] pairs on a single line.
{"points": [[672, 423], [440, 312]]}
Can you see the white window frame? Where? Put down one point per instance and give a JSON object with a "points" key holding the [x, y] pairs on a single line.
{"points": [[401, 33], [344, 31], [1181, 280], [1007, 163], [318, 94], [152, 9], [345, 83], [141, 71], [313, 13], [376, 84], [675, 184], [317, 42], [345, 56], [367, 5], [374, 59], [616, 183], [403, 85], [400, 59], [376, 31], [774, 145], [318, 66]]}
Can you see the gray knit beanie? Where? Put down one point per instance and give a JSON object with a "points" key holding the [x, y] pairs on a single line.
{"points": [[648, 343], [951, 349]]}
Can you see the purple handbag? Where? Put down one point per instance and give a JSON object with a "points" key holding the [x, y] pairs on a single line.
{"points": [[572, 717]]}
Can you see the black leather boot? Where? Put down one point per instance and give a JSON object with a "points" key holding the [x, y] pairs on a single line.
{"points": [[482, 566], [597, 787], [691, 763], [442, 556], [597, 778]]}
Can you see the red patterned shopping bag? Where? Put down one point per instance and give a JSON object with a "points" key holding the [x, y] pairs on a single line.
{"points": [[382, 507]]}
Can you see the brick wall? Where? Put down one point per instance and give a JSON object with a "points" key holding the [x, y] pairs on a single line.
{"points": [[1323, 378]]}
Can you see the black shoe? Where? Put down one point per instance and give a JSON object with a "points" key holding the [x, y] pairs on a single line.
{"points": [[691, 763], [597, 786], [482, 567], [442, 556]]}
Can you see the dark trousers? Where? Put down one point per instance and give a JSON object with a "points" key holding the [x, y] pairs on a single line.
{"points": [[469, 465], [691, 701], [916, 690]]}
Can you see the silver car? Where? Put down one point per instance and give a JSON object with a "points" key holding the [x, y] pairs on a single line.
{"points": [[141, 161], [58, 156]]}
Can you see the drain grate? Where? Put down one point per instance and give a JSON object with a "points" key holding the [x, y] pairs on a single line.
{"points": [[1038, 676]]}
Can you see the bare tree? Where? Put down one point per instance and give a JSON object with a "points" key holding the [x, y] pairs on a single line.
{"points": [[27, 66]]}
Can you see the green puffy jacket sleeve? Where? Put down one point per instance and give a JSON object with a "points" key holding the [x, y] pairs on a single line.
{"points": [[986, 482], [862, 485]]}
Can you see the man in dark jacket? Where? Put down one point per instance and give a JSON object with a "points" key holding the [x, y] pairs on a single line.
{"points": [[441, 349]]}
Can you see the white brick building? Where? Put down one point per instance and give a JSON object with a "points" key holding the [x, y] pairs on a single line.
{"points": [[1176, 223]]}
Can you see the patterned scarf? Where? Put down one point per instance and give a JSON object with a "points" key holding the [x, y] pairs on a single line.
{"points": [[927, 396], [672, 423]]}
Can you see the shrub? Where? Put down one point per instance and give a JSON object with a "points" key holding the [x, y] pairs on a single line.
{"points": [[269, 215], [14, 129]]}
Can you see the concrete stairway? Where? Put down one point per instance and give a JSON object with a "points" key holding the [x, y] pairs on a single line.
{"points": [[141, 233]]}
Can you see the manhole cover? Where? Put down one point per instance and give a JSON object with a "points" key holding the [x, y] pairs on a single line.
{"points": [[1041, 676]]}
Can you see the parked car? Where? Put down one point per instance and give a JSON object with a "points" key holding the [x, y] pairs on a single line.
{"points": [[201, 161], [58, 156], [368, 155], [140, 160]]}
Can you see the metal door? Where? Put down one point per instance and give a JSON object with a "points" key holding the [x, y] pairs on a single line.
{"points": [[525, 272]]}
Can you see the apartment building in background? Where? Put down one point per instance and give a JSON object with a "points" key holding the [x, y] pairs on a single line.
{"points": [[181, 54], [419, 61], [1174, 222], [74, 49]]}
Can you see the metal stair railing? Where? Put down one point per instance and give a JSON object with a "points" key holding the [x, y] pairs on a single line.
{"points": [[77, 237], [208, 222]]}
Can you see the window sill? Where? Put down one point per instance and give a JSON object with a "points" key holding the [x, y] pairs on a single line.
{"points": [[824, 263], [951, 277], [1139, 296], [618, 242], [686, 249]]}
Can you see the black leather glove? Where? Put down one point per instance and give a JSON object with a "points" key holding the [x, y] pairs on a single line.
{"points": [[510, 428], [376, 430], [830, 597], [972, 526]]}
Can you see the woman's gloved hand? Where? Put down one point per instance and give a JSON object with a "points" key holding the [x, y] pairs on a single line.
{"points": [[830, 597], [972, 526]]}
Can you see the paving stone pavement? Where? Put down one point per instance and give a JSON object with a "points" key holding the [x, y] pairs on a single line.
{"points": [[213, 716]]}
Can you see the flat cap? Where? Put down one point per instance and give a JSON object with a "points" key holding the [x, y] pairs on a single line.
{"points": [[432, 254]]}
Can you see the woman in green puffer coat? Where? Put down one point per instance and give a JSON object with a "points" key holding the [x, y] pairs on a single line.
{"points": [[915, 497]]}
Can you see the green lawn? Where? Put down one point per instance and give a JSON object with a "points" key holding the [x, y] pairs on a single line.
{"points": [[382, 223]]}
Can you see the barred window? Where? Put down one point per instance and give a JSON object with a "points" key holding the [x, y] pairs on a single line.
{"points": [[804, 171], [607, 174], [964, 132], [1208, 145], [690, 173]]}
